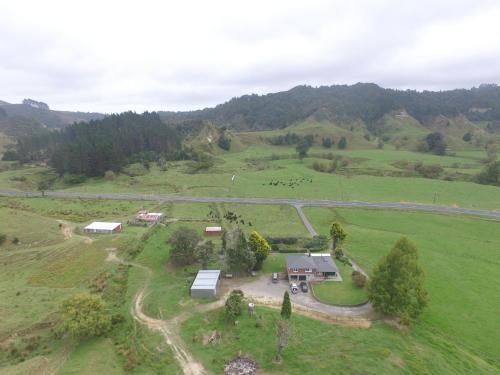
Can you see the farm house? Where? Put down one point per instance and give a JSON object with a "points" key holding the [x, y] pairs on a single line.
{"points": [[205, 284], [103, 227], [213, 231]]}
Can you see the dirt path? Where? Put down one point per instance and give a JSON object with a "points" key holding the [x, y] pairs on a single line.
{"points": [[305, 221], [67, 232], [165, 327]]}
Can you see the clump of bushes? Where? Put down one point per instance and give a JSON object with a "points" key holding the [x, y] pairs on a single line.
{"points": [[84, 315], [297, 244], [317, 243], [434, 143], [337, 162], [341, 257], [234, 305], [419, 169], [358, 279], [18, 178], [136, 169], [109, 175], [490, 175]]}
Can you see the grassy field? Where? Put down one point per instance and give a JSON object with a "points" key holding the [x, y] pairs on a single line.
{"points": [[255, 169], [343, 292], [317, 347], [457, 333], [459, 255], [51, 262]]}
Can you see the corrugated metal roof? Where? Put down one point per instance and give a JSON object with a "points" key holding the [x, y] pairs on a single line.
{"points": [[99, 225], [206, 279], [213, 229]]}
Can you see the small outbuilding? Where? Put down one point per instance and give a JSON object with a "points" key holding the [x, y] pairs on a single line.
{"points": [[205, 284], [213, 231], [103, 227], [151, 217]]}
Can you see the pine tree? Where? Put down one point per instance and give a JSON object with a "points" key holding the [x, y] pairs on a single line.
{"points": [[342, 143], [338, 234], [286, 306], [238, 255], [397, 285]]}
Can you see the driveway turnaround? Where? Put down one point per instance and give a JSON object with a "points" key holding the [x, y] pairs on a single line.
{"points": [[263, 288], [281, 201]]}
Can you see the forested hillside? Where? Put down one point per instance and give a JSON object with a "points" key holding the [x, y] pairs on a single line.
{"points": [[342, 103], [98, 146], [357, 116]]}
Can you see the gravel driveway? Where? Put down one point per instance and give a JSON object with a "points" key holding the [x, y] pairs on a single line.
{"points": [[262, 287]]}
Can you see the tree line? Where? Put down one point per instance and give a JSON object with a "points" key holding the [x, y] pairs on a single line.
{"points": [[92, 148]]}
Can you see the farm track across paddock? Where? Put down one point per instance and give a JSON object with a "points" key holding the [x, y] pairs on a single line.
{"points": [[279, 201]]}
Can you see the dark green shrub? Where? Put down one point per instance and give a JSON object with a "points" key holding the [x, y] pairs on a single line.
{"points": [[358, 279]]}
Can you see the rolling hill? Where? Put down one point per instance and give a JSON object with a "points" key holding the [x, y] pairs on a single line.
{"points": [[31, 116]]}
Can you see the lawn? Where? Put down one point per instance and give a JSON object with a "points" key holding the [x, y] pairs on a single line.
{"points": [[275, 262], [459, 255], [317, 347], [343, 292]]}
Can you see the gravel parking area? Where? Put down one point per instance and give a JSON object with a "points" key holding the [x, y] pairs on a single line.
{"points": [[263, 287]]}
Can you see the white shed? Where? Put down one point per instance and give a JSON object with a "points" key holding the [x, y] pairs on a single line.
{"points": [[205, 284], [103, 227]]}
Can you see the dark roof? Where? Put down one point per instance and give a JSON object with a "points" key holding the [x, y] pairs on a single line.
{"points": [[318, 262], [299, 261]]}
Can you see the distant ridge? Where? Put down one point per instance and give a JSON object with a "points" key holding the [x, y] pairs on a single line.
{"points": [[367, 102], [31, 115]]}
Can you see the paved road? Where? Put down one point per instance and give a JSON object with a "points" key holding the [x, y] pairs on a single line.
{"points": [[289, 201]]}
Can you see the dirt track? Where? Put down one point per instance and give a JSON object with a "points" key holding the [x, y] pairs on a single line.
{"points": [[165, 327]]}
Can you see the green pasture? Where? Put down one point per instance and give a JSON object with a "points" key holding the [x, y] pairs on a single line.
{"points": [[316, 347], [255, 168], [459, 255]]}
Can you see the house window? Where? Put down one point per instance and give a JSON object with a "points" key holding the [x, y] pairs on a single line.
{"points": [[308, 270], [295, 270]]}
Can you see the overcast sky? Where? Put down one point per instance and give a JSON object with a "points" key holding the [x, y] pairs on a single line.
{"points": [[112, 56]]}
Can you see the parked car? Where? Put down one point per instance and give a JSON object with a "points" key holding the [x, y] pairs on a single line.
{"points": [[294, 288], [303, 287], [275, 278]]}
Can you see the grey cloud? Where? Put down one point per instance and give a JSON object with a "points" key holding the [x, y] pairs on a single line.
{"points": [[188, 63]]}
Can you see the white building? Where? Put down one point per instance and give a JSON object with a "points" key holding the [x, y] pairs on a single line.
{"points": [[206, 283], [103, 227]]}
